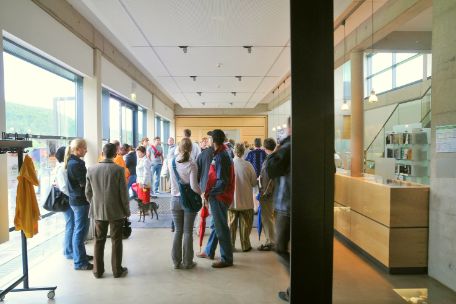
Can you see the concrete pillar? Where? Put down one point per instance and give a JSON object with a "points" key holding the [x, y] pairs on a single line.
{"points": [[92, 111], [357, 118], [4, 234], [442, 217]]}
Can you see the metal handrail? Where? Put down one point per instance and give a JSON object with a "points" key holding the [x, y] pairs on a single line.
{"points": [[392, 113]]}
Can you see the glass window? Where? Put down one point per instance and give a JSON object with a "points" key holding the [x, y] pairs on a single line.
{"points": [[403, 56], [141, 114], [34, 95], [127, 124], [429, 65], [381, 61], [114, 119], [409, 71], [42, 99], [382, 82]]}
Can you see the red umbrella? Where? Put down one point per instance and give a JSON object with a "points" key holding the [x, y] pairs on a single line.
{"points": [[202, 225]]}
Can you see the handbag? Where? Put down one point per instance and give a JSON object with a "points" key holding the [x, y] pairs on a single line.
{"points": [[56, 201], [126, 229], [191, 201]]}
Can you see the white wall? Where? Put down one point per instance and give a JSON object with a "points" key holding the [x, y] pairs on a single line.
{"points": [[23, 20], [278, 116], [166, 112], [117, 81]]}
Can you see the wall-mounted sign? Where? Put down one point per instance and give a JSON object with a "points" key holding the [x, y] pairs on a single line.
{"points": [[445, 139]]}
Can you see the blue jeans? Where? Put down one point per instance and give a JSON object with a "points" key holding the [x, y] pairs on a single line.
{"points": [[131, 181], [155, 176], [81, 228], [220, 232], [68, 239]]}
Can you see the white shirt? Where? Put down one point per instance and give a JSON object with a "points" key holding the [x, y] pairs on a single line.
{"points": [[196, 150], [245, 180], [61, 178], [143, 171], [188, 173]]}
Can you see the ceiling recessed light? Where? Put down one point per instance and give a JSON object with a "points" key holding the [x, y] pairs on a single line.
{"points": [[184, 48], [239, 78], [193, 77], [234, 93], [248, 47], [199, 93], [219, 65]]}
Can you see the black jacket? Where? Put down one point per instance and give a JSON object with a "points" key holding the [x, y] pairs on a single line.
{"points": [[278, 167], [130, 162], [76, 181]]}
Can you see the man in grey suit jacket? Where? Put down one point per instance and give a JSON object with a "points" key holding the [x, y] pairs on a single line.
{"points": [[106, 191]]}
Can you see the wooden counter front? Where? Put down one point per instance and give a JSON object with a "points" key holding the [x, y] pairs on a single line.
{"points": [[390, 223]]}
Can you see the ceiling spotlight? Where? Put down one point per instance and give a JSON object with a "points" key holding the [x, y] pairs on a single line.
{"points": [[193, 77], [199, 93], [203, 103], [231, 104], [239, 78], [184, 48], [219, 65], [234, 93], [249, 48]]}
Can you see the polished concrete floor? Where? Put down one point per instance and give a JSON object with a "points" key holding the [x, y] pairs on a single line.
{"points": [[255, 278]]}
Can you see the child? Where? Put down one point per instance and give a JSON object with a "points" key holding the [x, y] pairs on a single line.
{"points": [[143, 181]]}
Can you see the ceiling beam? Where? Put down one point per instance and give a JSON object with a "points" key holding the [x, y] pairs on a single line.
{"points": [[386, 20], [69, 17]]}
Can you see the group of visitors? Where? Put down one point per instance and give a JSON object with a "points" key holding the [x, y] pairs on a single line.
{"points": [[228, 178]]}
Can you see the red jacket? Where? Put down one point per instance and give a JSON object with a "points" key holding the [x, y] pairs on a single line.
{"points": [[220, 182]]}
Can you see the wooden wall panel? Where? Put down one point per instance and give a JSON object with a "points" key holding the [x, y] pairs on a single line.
{"points": [[250, 127], [408, 247]]}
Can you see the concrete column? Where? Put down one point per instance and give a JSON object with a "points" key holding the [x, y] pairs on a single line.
{"points": [[357, 110], [92, 111], [442, 217], [4, 234]]}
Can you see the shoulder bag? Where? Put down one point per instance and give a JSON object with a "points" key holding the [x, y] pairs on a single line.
{"points": [[56, 200], [191, 201]]}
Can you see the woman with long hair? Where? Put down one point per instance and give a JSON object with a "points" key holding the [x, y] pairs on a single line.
{"points": [[77, 172], [182, 253]]}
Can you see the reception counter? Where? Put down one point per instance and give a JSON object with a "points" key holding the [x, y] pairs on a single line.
{"points": [[388, 222]]}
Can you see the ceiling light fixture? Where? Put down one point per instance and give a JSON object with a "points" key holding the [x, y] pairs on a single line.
{"points": [[203, 103], [193, 77], [249, 48], [239, 78], [184, 48], [344, 106], [199, 93], [373, 97], [219, 65], [231, 104], [234, 93]]}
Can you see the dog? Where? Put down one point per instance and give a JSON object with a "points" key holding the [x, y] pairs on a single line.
{"points": [[153, 208], [143, 208]]}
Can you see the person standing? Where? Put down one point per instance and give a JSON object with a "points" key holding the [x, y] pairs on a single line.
{"points": [[76, 171], [171, 150], [204, 144], [196, 150], [266, 188], [219, 193], [278, 168], [130, 163], [143, 176], [119, 160], [106, 191], [256, 157], [61, 181], [155, 154], [203, 162], [241, 210], [185, 167]]}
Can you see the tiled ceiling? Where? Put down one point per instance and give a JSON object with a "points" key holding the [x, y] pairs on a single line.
{"points": [[215, 31]]}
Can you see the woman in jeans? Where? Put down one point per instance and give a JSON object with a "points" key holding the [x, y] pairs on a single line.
{"points": [[61, 181], [182, 254], [77, 171]]}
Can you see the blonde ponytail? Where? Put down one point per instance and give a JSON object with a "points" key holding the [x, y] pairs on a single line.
{"points": [[185, 148], [75, 144]]}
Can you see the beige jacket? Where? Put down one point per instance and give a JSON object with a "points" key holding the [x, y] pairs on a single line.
{"points": [[106, 191], [245, 181]]}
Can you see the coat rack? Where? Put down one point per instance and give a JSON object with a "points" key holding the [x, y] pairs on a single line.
{"points": [[16, 143]]}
